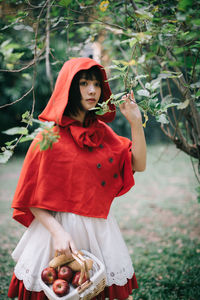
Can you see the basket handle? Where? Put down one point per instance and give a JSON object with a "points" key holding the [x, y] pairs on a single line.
{"points": [[84, 269]]}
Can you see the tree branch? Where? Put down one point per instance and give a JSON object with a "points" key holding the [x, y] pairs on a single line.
{"points": [[38, 58], [191, 150], [134, 5], [48, 67], [182, 87], [8, 104]]}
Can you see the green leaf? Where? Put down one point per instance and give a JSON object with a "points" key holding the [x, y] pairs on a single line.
{"points": [[143, 104], [16, 130], [119, 95], [155, 84], [23, 27], [94, 108], [26, 76], [162, 119], [184, 4], [197, 95], [195, 85], [10, 142], [143, 14], [167, 74], [179, 50], [184, 104], [27, 138], [140, 76], [116, 62], [165, 107], [65, 2], [100, 112], [14, 57], [132, 42], [144, 93], [48, 124], [27, 118], [5, 156], [113, 78]]}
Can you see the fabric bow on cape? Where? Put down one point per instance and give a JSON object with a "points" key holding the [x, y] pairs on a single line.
{"points": [[90, 136]]}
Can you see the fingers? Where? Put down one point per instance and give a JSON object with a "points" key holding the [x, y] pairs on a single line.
{"points": [[132, 95], [64, 244], [129, 97], [73, 247]]}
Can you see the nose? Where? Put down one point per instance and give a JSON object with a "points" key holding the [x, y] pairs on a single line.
{"points": [[91, 89]]}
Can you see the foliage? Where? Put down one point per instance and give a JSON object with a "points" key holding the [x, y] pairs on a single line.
{"points": [[49, 135], [157, 46]]}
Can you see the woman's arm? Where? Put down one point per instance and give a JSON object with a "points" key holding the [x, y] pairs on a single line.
{"points": [[62, 240], [132, 113]]}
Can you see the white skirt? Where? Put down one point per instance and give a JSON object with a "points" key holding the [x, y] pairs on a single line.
{"points": [[101, 237]]}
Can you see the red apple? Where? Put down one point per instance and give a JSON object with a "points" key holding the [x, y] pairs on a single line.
{"points": [[76, 279], [60, 287], [49, 275], [65, 273]]}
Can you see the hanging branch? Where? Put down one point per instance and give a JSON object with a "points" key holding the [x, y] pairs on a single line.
{"points": [[8, 104], [30, 64], [48, 67], [182, 86], [134, 5]]}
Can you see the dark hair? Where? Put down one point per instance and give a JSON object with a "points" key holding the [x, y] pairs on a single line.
{"points": [[74, 101]]}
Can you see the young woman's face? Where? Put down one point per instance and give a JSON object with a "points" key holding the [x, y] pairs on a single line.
{"points": [[90, 92]]}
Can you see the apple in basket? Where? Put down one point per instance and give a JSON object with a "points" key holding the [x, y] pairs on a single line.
{"points": [[61, 287], [76, 277], [49, 275], [65, 273]]}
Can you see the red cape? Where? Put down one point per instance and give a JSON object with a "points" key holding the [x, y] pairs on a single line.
{"points": [[84, 170]]}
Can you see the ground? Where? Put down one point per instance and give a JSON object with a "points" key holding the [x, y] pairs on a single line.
{"points": [[159, 219]]}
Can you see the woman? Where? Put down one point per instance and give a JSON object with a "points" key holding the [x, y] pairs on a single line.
{"points": [[64, 194]]}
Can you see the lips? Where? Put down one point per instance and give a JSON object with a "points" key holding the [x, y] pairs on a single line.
{"points": [[91, 100]]}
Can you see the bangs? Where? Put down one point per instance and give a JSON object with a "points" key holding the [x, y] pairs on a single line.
{"points": [[92, 74]]}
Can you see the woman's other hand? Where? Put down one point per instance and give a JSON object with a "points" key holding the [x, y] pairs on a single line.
{"points": [[62, 241]]}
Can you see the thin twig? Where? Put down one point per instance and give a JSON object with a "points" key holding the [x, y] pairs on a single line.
{"points": [[38, 58], [48, 67], [194, 169], [126, 75], [94, 18], [134, 5], [194, 65], [8, 104]]}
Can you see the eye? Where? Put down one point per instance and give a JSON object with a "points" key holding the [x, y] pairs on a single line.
{"points": [[97, 83], [83, 82]]}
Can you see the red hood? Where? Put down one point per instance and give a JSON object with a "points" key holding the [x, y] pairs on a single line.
{"points": [[59, 99]]}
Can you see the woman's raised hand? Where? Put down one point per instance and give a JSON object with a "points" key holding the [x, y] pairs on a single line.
{"points": [[130, 109]]}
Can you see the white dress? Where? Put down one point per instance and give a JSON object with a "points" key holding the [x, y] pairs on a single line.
{"points": [[101, 237]]}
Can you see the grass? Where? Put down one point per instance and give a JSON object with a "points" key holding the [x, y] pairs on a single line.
{"points": [[159, 219]]}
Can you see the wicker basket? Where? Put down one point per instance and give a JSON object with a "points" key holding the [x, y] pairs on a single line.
{"points": [[86, 291]]}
